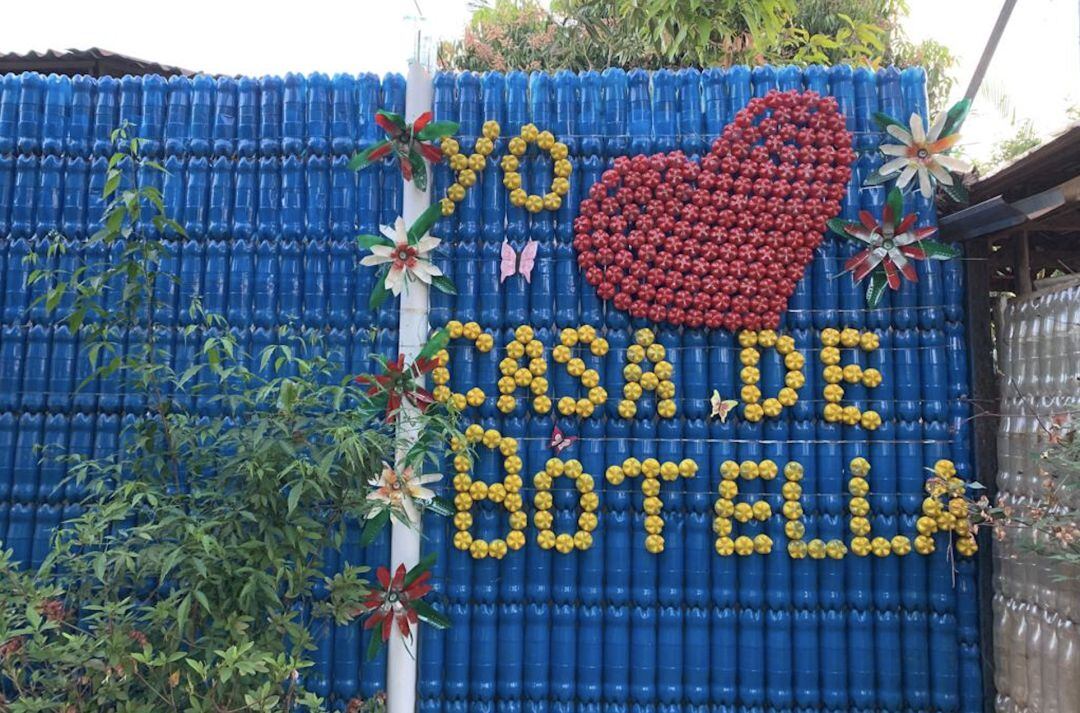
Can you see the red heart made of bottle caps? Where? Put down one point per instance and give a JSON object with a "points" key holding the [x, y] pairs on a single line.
{"points": [[720, 242]]}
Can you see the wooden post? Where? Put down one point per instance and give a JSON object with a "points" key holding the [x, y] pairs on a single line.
{"points": [[1022, 266]]}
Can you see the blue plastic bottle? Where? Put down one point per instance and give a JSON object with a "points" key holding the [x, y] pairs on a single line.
{"points": [[225, 117], [15, 294], [318, 198], [54, 121], [35, 384], [247, 117], [10, 87], [343, 116], [130, 104], [30, 110], [106, 115], [266, 284], [339, 285], [269, 198], [270, 116], [221, 198], [343, 195], [81, 116], [244, 200], [196, 198], [290, 282], [292, 198], [318, 114], [7, 184], [202, 108], [26, 467], [177, 116], [216, 277], [315, 283], [292, 110], [22, 200], [50, 196], [152, 127], [8, 434]]}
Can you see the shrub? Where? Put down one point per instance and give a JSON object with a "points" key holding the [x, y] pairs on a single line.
{"points": [[204, 563]]}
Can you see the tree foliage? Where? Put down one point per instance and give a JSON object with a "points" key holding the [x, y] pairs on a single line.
{"points": [[1012, 147], [595, 34]]}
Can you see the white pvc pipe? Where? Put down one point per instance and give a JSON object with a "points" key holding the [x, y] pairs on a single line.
{"points": [[401, 669]]}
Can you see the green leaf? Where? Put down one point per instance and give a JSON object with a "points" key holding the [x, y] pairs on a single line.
{"points": [[895, 201], [419, 170], [423, 223], [111, 184], [955, 117], [374, 643], [379, 293], [437, 130], [444, 284], [838, 226], [429, 615], [876, 179], [373, 527], [435, 344], [363, 159], [441, 506], [182, 612], [295, 492], [938, 251], [876, 288], [419, 568], [33, 617], [885, 121], [369, 241], [204, 602]]}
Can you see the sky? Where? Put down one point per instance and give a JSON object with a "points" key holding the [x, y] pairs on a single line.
{"points": [[1037, 65]]}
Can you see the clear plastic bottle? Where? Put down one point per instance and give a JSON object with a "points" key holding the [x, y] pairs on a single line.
{"points": [[1018, 668], [1003, 620], [1034, 660], [1068, 662]]}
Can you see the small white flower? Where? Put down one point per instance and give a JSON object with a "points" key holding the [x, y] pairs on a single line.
{"points": [[922, 153], [405, 260]]}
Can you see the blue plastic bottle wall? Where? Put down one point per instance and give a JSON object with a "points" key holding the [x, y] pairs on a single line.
{"points": [[257, 176], [615, 628]]}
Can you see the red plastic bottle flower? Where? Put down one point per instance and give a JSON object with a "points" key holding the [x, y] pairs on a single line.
{"points": [[892, 245], [394, 602], [399, 384], [399, 601], [409, 142]]}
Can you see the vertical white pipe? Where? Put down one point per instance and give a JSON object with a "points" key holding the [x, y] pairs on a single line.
{"points": [[401, 669]]}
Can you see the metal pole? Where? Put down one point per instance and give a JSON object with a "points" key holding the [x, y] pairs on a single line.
{"points": [[401, 669], [989, 49], [984, 384]]}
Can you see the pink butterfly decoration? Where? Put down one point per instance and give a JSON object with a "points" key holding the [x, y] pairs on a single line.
{"points": [[559, 441], [518, 263]]}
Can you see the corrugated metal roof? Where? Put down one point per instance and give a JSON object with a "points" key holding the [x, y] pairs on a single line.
{"points": [[1043, 167], [95, 62]]}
